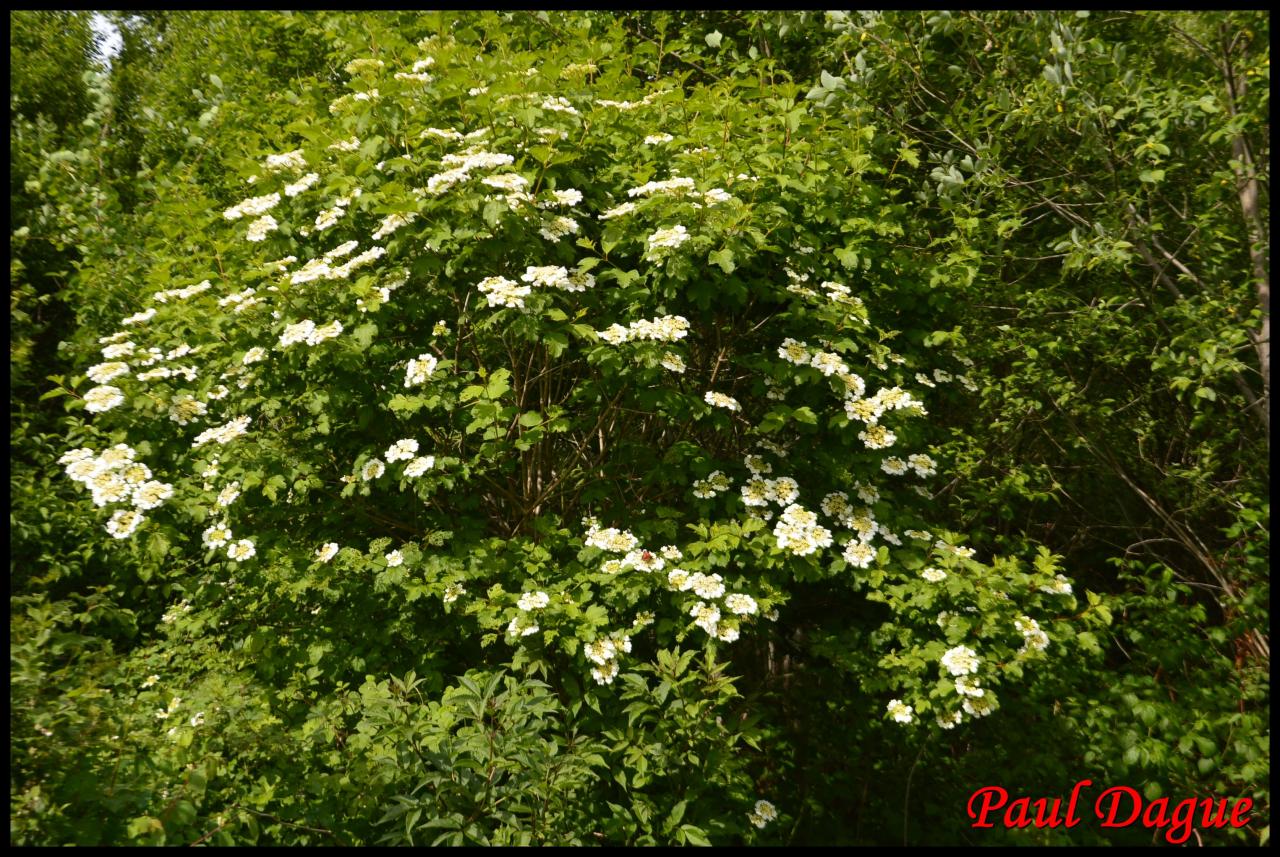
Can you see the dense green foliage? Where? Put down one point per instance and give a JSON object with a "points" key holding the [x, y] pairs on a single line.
{"points": [[664, 428]]}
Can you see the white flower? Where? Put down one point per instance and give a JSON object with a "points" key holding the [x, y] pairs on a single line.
{"points": [[933, 575], [558, 227], [950, 721], [655, 139], [665, 239], [288, 161], [533, 600], [605, 673], [1059, 586], [124, 523], [104, 372], [619, 211], [301, 184], [228, 495], [372, 469], [452, 592], [720, 400], [678, 578], [644, 560], [600, 651], [677, 186], [522, 625], [327, 551], [419, 466], [743, 605], [260, 228], [568, 197], [960, 660], [966, 686], [499, 291], [241, 550], [671, 552], [217, 536], [829, 364], [706, 616], [252, 207], [707, 586], [900, 711], [894, 466], [327, 331], [727, 634], [673, 362], [295, 333], [784, 490], [419, 370], [149, 495], [859, 554], [402, 450], [877, 437], [394, 558], [118, 349], [102, 399], [391, 223], [923, 465], [150, 680]]}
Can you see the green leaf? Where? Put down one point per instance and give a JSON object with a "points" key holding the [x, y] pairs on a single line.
{"points": [[713, 39], [723, 258], [363, 335]]}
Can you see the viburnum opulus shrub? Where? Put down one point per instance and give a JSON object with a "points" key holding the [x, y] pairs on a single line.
{"points": [[554, 361]]}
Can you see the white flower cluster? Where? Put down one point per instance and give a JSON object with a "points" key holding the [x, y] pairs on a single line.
{"points": [[763, 813], [139, 317], [657, 244], [301, 184], [103, 398], [630, 105], [720, 400], [900, 711], [657, 139], [798, 531], [184, 409], [419, 370], [253, 207], [715, 483], [1060, 586], [677, 186], [558, 104], [224, 433], [604, 652], [114, 477], [288, 161], [183, 293], [558, 277], [960, 660], [1033, 637], [522, 625], [618, 211], [391, 223], [499, 291], [104, 372], [667, 328], [461, 166], [611, 539], [558, 227]]}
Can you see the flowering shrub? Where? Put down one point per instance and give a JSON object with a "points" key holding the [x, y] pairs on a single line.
{"points": [[584, 374]]}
